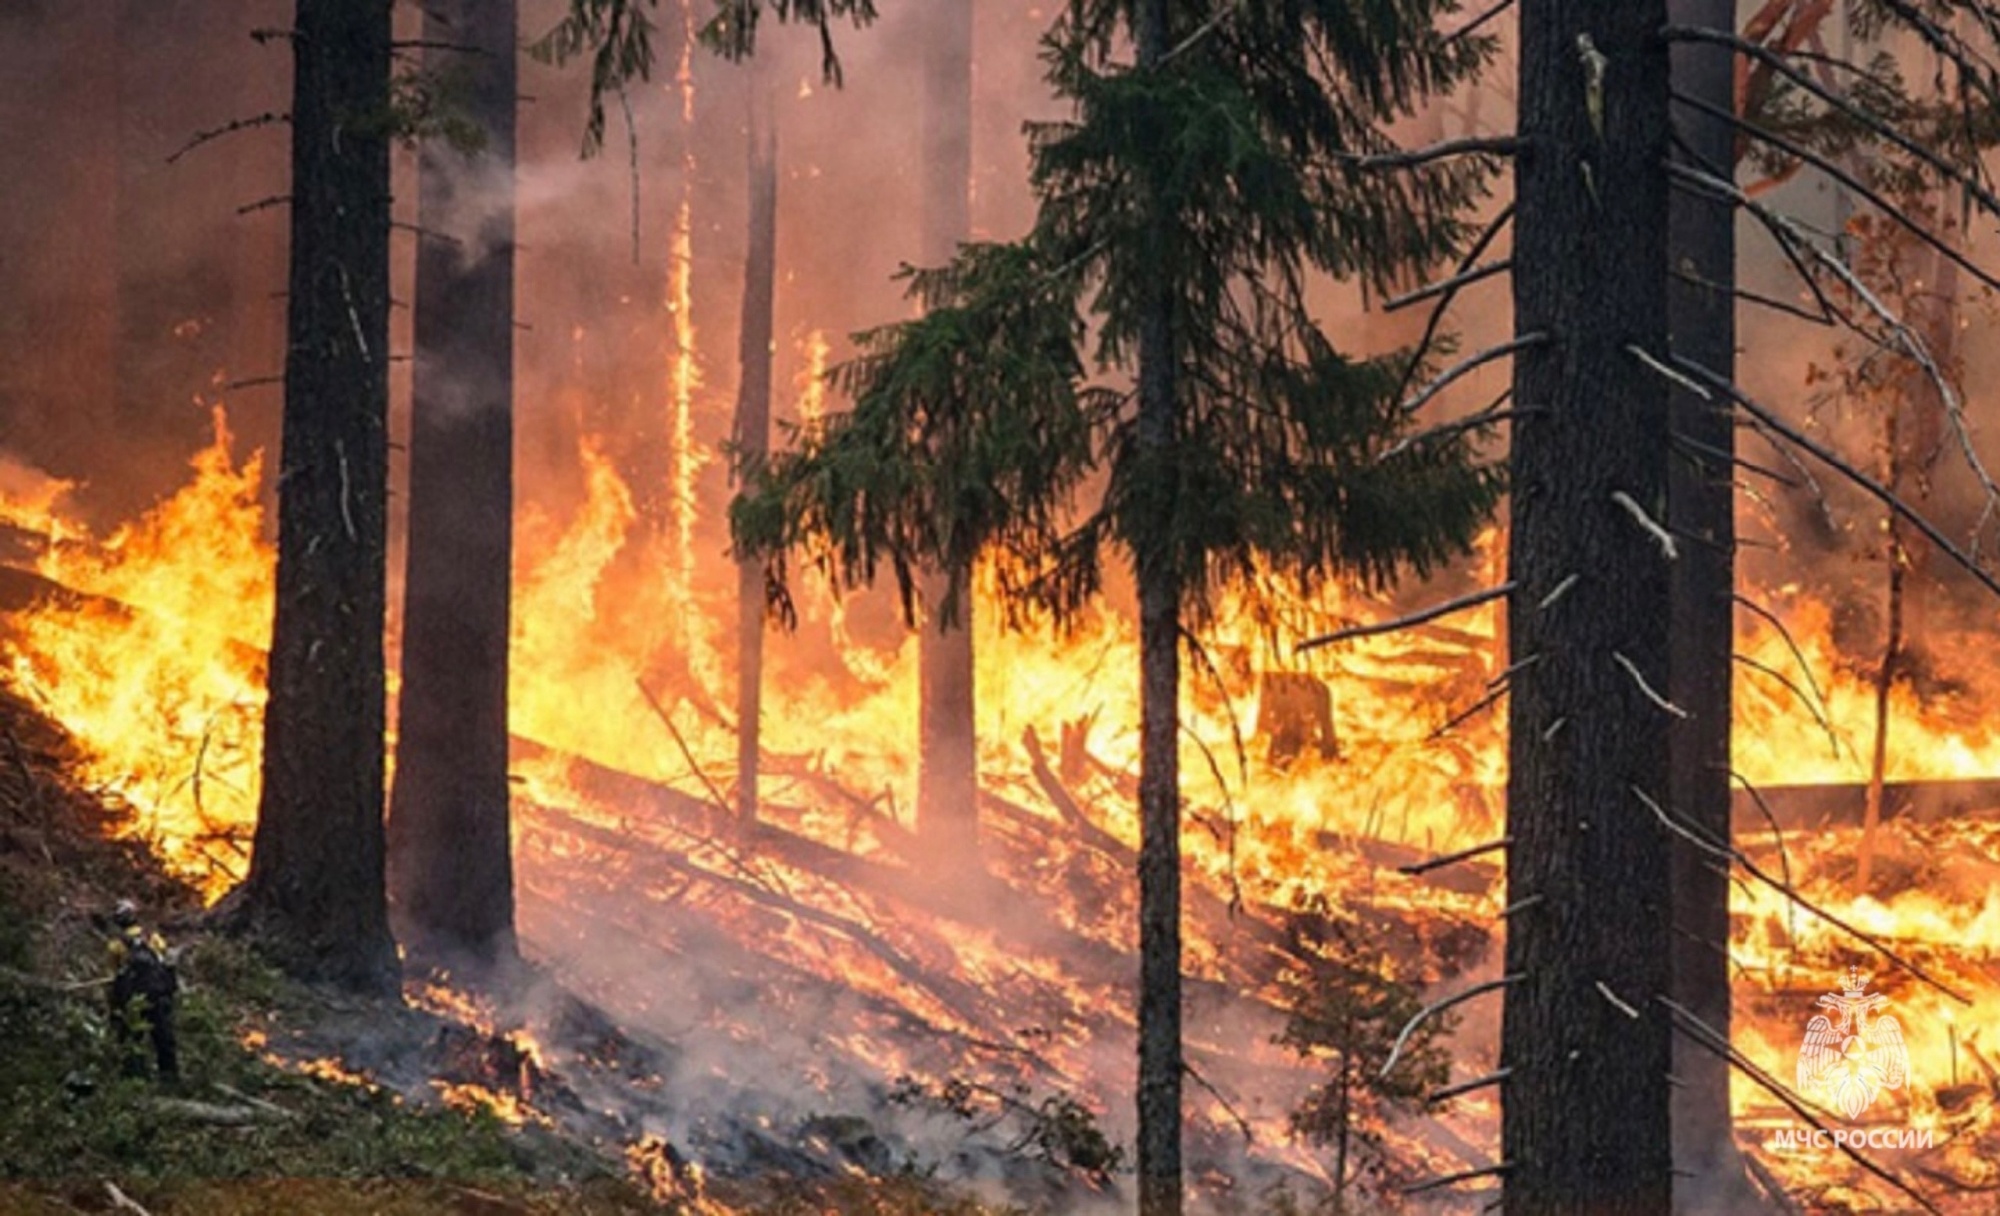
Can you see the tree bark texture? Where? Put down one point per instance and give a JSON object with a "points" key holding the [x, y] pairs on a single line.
{"points": [[451, 855], [1701, 508], [753, 438], [948, 750], [1160, 1061], [315, 892], [1584, 1125]]}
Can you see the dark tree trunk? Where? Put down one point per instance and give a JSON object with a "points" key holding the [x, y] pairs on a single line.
{"points": [[1701, 505], [315, 893], [753, 436], [451, 858], [948, 752], [1584, 1127], [1159, 1157]]}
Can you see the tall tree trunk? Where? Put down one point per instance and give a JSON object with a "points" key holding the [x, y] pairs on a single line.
{"points": [[753, 434], [315, 892], [1701, 507], [1584, 1125], [1159, 732], [948, 752], [451, 857]]}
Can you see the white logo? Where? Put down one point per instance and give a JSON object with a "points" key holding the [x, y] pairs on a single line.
{"points": [[1851, 1060]]}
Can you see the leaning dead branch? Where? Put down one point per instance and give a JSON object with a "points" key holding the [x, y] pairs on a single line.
{"points": [[1496, 1077], [1833, 460], [1436, 318], [722, 804], [1729, 853], [1064, 802], [1867, 118], [1439, 1006], [1445, 1180], [1778, 838], [1228, 1108], [1473, 26], [271, 118], [1491, 697], [1706, 1037], [1812, 707], [1645, 357], [1754, 297], [1472, 363], [1448, 859], [1918, 351], [1421, 617], [1782, 229], [1472, 145], [1850, 181], [1492, 415], [1464, 278], [1617, 1002], [1696, 446]]}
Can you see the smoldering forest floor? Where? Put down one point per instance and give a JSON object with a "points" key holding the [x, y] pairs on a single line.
{"points": [[716, 1023], [834, 999]]}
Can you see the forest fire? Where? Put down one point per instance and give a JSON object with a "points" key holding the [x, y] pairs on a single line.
{"points": [[151, 657], [751, 954]]}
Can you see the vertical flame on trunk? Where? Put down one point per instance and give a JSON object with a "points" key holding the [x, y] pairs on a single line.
{"points": [[684, 375]]}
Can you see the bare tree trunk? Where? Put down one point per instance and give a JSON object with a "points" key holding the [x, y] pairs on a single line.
{"points": [[753, 435], [1584, 1126], [1160, 1060], [1892, 654], [451, 858], [948, 750], [1701, 507], [315, 893]]}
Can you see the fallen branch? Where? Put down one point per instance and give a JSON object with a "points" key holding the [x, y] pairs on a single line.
{"points": [[211, 1113], [687, 753], [1064, 803], [1478, 850], [123, 1202]]}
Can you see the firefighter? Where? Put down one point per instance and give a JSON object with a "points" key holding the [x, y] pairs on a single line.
{"points": [[142, 993]]}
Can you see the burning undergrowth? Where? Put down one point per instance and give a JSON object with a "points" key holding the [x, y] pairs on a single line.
{"points": [[820, 997]]}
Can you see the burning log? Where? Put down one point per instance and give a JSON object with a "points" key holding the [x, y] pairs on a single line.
{"points": [[1066, 805], [1812, 807]]}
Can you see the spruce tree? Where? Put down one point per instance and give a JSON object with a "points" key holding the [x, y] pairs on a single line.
{"points": [[1183, 208]]}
